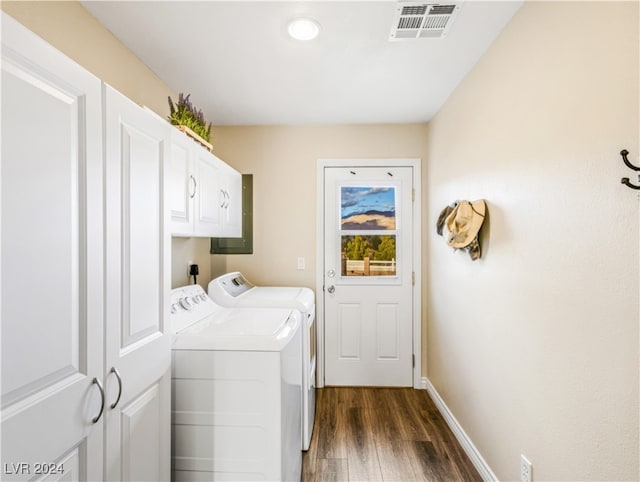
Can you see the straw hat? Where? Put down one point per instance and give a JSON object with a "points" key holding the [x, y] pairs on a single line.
{"points": [[464, 222]]}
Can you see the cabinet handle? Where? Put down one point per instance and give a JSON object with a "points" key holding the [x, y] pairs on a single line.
{"points": [[115, 372], [223, 198], [195, 187], [227, 197], [97, 382]]}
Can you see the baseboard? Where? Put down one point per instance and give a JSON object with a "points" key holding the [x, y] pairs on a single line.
{"points": [[467, 445]]}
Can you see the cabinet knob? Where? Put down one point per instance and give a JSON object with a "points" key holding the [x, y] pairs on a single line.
{"points": [[195, 187], [117, 374], [97, 417]]}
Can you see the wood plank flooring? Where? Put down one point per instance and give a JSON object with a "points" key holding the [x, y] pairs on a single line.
{"points": [[382, 434]]}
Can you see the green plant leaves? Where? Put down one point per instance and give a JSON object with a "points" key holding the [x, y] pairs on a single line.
{"points": [[184, 113]]}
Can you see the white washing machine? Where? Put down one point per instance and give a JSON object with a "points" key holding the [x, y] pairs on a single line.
{"points": [[236, 391], [234, 290]]}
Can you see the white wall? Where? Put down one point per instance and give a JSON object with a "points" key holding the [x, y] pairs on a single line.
{"points": [[534, 347]]}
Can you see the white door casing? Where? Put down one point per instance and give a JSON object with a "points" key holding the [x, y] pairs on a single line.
{"points": [[369, 326], [52, 262], [137, 335]]}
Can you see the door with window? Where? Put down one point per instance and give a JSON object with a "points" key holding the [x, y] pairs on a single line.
{"points": [[368, 272]]}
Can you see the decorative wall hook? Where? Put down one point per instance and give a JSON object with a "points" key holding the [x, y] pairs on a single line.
{"points": [[624, 153], [625, 180]]}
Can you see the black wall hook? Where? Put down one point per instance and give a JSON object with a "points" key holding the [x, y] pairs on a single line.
{"points": [[624, 153], [625, 180]]}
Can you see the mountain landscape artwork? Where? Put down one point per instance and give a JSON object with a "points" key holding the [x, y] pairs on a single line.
{"points": [[368, 208]]}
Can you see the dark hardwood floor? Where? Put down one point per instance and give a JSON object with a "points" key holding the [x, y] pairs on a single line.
{"points": [[382, 434]]}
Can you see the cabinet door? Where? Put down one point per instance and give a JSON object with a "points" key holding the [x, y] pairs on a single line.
{"points": [[51, 258], [137, 263], [232, 213], [209, 196], [181, 184]]}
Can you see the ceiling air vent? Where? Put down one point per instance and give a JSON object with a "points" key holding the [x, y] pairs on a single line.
{"points": [[414, 20]]}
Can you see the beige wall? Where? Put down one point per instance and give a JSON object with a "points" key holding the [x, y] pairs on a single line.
{"points": [[283, 161], [75, 32], [534, 348]]}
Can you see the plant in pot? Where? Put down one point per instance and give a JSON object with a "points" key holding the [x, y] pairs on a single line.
{"points": [[184, 113]]}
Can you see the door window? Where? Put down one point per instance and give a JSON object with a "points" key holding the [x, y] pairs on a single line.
{"points": [[368, 230]]}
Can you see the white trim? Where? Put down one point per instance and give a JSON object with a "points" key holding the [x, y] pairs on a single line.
{"points": [[415, 164], [470, 449]]}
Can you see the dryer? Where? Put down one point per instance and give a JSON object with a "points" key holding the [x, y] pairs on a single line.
{"points": [[234, 290], [236, 390]]}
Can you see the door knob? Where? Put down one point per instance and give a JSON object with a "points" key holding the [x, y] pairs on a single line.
{"points": [[331, 289]]}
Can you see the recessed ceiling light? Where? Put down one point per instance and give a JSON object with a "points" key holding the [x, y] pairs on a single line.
{"points": [[304, 29]]}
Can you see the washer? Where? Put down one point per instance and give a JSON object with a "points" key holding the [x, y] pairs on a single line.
{"points": [[236, 391], [234, 290]]}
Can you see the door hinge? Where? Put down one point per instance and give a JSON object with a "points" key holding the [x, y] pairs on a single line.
{"points": [[413, 360], [413, 194], [413, 278]]}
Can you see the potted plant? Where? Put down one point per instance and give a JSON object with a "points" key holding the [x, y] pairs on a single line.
{"points": [[190, 120]]}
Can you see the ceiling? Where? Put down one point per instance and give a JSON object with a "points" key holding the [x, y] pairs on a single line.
{"points": [[240, 66]]}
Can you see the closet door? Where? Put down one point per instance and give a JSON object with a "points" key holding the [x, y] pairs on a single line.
{"points": [[138, 350], [51, 262]]}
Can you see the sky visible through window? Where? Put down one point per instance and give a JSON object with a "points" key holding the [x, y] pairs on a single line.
{"points": [[368, 208]]}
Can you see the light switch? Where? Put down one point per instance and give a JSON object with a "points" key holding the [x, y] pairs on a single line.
{"points": [[301, 262]]}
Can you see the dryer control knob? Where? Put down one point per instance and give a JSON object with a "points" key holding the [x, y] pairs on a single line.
{"points": [[185, 303]]}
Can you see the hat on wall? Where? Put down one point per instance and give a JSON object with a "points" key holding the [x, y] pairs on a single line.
{"points": [[464, 222], [444, 214]]}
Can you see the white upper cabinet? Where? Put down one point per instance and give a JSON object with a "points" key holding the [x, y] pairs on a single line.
{"points": [[231, 205], [208, 198], [205, 193]]}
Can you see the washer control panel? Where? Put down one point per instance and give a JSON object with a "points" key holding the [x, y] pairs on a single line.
{"points": [[190, 304], [187, 298]]}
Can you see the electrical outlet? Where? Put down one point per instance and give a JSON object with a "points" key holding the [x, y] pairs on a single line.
{"points": [[526, 469], [189, 263], [301, 263]]}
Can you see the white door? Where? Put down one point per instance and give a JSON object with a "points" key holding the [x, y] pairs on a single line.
{"points": [[368, 292], [137, 334], [52, 302]]}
